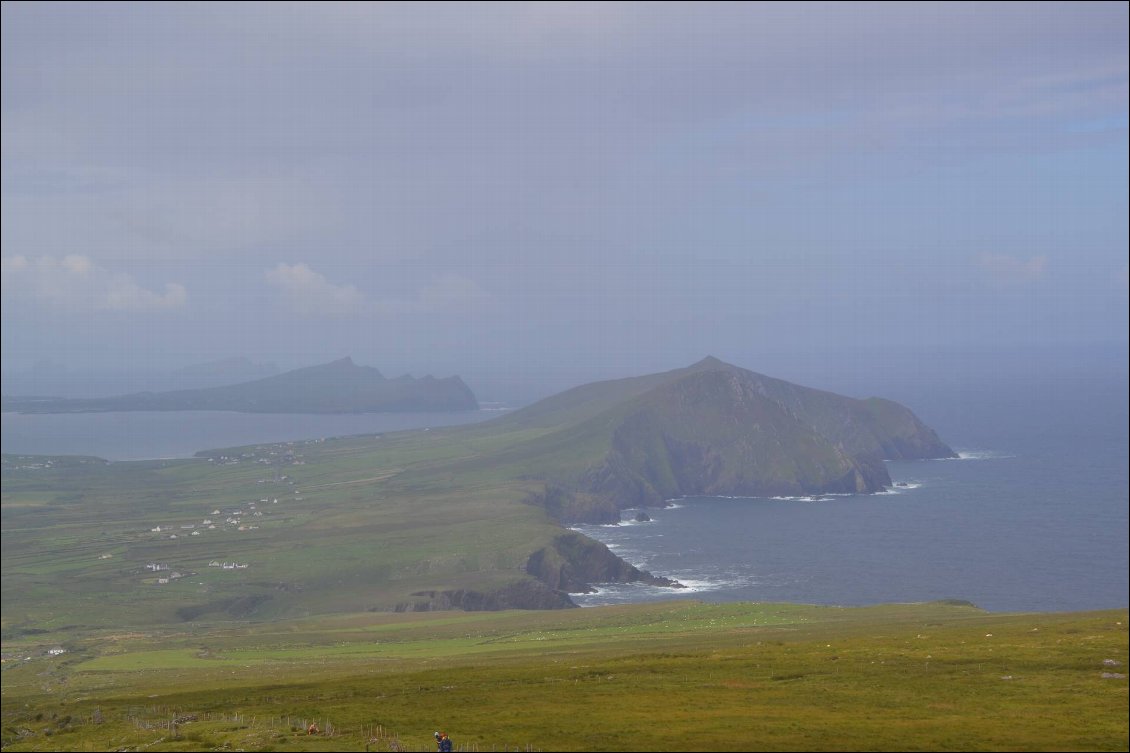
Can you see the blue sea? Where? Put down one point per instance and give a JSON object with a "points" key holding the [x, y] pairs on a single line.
{"points": [[1033, 517]]}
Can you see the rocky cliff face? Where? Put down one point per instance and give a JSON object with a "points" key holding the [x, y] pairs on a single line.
{"points": [[522, 594], [573, 562], [715, 429]]}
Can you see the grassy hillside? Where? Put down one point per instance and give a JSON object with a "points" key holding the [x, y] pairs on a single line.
{"points": [[674, 676]]}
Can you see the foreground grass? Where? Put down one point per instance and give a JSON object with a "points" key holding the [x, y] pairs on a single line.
{"points": [[673, 676]]}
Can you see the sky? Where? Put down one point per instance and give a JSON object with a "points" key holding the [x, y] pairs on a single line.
{"points": [[536, 195]]}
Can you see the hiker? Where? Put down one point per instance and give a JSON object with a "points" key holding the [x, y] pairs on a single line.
{"points": [[443, 742], [312, 729]]}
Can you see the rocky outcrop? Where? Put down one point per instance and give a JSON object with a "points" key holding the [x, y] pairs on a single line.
{"points": [[572, 563], [522, 594], [572, 507]]}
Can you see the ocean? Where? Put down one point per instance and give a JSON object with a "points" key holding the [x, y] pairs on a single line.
{"points": [[1032, 518], [147, 435]]}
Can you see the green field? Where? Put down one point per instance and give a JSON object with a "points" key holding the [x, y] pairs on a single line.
{"points": [[358, 524], [669, 676]]}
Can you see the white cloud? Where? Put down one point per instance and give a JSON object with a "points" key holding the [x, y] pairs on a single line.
{"points": [[1012, 270], [309, 292], [77, 282]]}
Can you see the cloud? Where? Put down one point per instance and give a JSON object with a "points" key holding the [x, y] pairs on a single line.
{"points": [[309, 292], [76, 282], [453, 293], [1012, 270]]}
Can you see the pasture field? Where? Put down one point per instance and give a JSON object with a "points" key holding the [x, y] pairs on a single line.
{"points": [[671, 676], [340, 525]]}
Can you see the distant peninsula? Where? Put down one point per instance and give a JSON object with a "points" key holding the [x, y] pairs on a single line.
{"points": [[337, 387]]}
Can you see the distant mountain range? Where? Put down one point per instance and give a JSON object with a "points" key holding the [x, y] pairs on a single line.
{"points": [[337, 387]]}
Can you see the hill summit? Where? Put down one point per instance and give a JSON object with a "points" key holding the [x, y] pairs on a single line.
{"points": [[714, 429]]}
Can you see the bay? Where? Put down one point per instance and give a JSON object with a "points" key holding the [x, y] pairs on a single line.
{"points": [[147, 435]]}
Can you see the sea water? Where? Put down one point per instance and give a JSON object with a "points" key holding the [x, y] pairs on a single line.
{"points": [[1032, 517], [147, 435]]}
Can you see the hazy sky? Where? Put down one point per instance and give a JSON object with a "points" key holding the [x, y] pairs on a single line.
{"points": [[559, 189]]}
